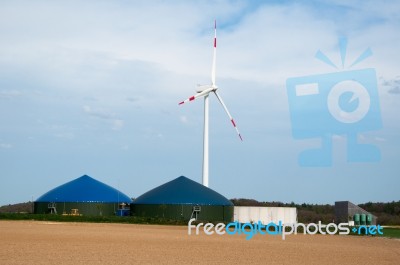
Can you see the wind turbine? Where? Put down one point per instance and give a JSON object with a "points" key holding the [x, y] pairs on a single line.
{"points": [[204, 91]]}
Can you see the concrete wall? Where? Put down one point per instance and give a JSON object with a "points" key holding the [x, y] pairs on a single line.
{"points": [[246, 214]]}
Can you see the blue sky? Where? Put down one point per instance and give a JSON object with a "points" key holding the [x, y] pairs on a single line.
{"points": [[93, 88]]}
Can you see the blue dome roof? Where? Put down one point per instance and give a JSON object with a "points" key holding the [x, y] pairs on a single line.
{"points": [[84, 189], [182, 191]]}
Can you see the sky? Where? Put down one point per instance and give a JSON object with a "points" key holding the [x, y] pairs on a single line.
{"points": [[92, 87]]}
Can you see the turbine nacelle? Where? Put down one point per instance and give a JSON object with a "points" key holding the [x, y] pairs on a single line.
{"points": [[202, 88]]}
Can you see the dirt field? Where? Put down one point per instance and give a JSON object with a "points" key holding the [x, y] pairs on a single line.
{"points": [[34, 242]]}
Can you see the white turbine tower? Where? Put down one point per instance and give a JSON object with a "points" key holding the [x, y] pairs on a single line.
{"points": [[204, 91]]}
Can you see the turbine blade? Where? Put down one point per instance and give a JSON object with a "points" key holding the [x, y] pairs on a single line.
{"points": [[215, 54], [200, 94], [229, 115]]}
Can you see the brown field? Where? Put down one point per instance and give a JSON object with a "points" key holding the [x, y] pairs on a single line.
{"points": [[34, 242]]}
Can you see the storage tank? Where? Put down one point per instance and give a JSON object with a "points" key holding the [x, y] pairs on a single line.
{"points": [[183, 199], [356, 219], [82, 196], [363, 219], [369, 219]]}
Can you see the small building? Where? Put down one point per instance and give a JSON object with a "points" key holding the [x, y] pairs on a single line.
{"points": [[347, 212], [266, 215], [183, 199], [82, 196]]}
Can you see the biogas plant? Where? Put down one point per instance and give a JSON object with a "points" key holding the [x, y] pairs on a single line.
{"points": [[181, 198]]}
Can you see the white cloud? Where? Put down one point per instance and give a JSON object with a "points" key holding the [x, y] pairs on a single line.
{"points": [[98, 113], [5, 146], [118, 124], [393, 85], [337, 137], [65, 135], [9, 94], [125, 147], [106, 115], [183, 119]]}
